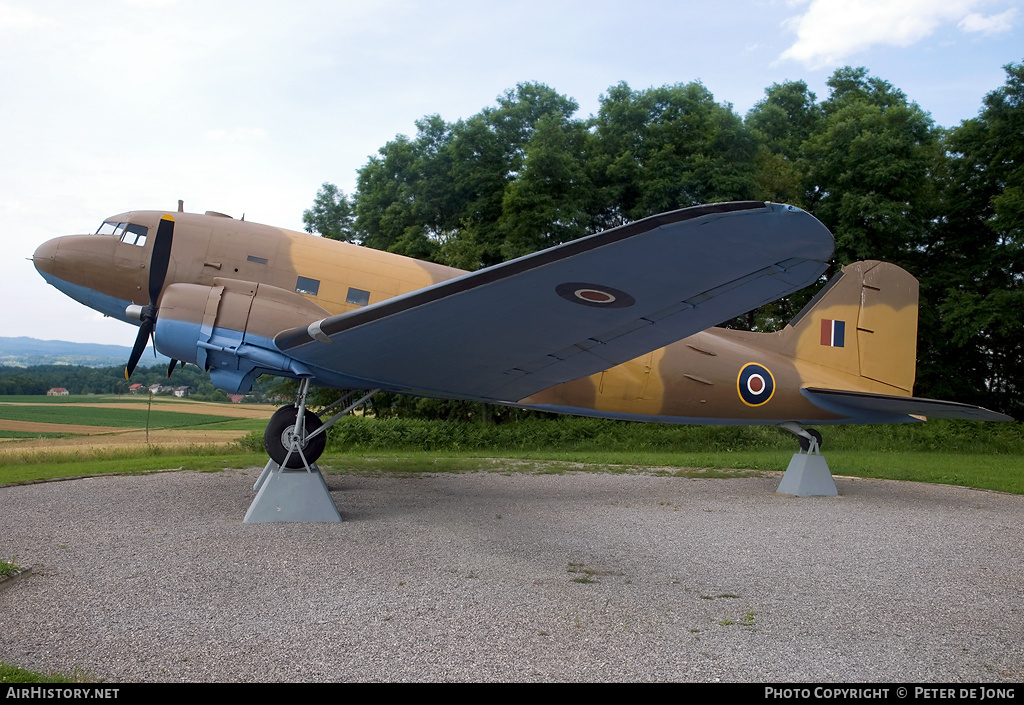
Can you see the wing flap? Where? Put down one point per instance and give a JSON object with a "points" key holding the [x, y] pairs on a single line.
{"points": [[514, 329]]}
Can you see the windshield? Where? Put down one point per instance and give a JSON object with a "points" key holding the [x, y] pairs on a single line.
{"points": [[129, 233]]}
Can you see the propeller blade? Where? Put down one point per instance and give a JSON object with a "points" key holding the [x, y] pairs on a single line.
{"points": [[161, 257], [140, 347], [170, 368], [159, 261]]}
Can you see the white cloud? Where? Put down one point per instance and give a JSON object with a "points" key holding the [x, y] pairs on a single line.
{"points": [[831, 30], [991, 24], [18, 19]]}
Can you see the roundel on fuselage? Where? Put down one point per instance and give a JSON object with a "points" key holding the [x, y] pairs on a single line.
{"points": [[755, 384]]}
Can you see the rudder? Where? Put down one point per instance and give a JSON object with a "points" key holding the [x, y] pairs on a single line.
{"points": [[864, 323]]}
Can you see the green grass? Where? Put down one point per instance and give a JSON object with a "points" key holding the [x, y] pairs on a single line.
{"points": [[27, 467], [995, 472], [988, 456], [13, 674]]}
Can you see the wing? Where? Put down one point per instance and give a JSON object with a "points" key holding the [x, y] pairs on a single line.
{"points": [[505, 332], [883, 408]]}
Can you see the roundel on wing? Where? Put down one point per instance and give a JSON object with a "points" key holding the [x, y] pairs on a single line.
{"points": [[596, 295], [755, 384]]}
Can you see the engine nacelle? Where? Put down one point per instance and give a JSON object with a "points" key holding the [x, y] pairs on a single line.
{"points": [[228, 329]]}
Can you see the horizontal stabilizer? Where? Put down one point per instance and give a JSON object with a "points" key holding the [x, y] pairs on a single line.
{"points": [[881, 408]]}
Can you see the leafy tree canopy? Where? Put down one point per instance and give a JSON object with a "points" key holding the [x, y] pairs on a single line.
{"points": [[527, 173], [331, 215]]}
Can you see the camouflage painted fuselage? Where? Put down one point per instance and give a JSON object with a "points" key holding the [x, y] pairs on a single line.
{"points": [[859, 335]]}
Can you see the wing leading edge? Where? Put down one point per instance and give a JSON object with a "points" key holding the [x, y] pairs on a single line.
{"points": [[511, 330]]}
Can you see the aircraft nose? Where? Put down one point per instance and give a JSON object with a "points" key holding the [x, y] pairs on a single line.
{"points": [[45, 256]]}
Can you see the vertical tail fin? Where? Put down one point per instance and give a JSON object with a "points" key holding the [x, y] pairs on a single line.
{"points": [[863, 323]]}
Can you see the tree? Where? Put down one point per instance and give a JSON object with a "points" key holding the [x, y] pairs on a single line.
{"points": [[667, 148], [782, 124], [418, 196], [551, 199], [976, 277], [331, 215], [525, 174], [389, 215], [868, 167]]}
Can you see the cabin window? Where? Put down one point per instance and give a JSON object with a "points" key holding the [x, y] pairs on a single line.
{"points": [[305, 285], [259, 260], [357, 297]]}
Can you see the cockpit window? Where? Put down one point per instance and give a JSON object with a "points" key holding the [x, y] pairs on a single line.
{"points": [[134, 234], [130, 233]]}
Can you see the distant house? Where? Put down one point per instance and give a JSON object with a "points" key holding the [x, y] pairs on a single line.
{"points": [[137, 388], [57, 392], [182, 391], [236, 398]]}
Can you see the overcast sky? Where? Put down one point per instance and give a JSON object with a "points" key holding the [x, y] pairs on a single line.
{"points": [[247, 107]]}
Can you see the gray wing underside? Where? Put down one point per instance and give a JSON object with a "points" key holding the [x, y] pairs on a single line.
{"points": [[883, 408], [517, 328]]}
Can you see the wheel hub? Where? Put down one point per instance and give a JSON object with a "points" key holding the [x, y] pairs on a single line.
{"points": [[291, 439]]}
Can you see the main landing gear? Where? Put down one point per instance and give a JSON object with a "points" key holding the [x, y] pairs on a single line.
{"points": [[292, 445], [808, 474], [806, 443], [809, 438], [291, 488]]}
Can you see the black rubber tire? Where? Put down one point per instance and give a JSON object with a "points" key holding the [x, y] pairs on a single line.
{"points": [[284, 419], [805, 444]]}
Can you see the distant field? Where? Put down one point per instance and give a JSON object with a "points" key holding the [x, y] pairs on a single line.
{"points": [[32, 425], [104, 416], [30, 434], [77, 399]]}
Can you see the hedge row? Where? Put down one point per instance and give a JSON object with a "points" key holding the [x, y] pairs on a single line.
{"points": [[584, 433]]}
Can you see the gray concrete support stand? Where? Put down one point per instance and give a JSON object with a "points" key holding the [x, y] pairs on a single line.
{"points": [[291, 495], [808, 476]]}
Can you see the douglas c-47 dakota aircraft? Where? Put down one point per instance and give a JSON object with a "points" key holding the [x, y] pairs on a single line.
{"points": [[616, 324]]}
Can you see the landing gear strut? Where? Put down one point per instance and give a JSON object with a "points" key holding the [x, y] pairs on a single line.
{"points": [[809, 438], [291, 488], [815, 437], [296, 437]]}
